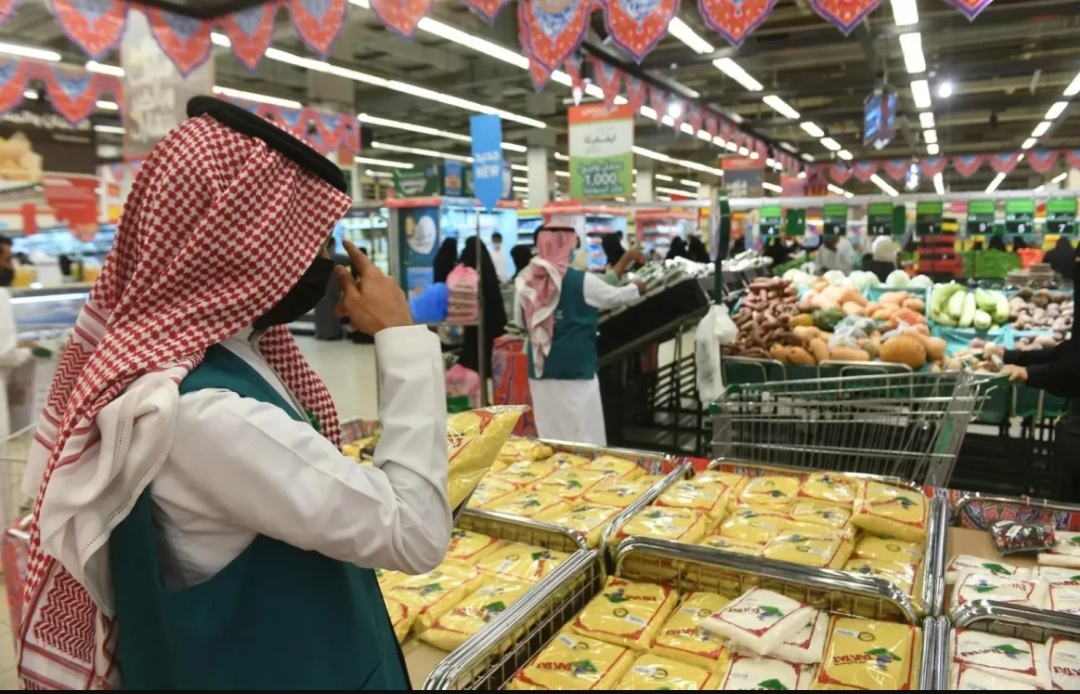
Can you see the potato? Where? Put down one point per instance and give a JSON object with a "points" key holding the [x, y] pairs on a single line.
{"points": [[798, 355], [820, 349]]}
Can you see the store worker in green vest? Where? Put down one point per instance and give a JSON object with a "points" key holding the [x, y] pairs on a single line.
{"points": [[557, 305], [196, 524]]}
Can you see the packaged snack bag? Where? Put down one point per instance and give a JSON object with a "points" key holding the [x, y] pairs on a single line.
{"points": [[1065, 664], [882, 509], [431, 595], [770, 674], [574, 662], [491, 491], [468, 547], [401, 617], [569, 483], [963, 563], [626, 613], [620, 493], [797, 527], [1002, 656], [710, 500], [474, 439], [753, 525], [819, 552], [730, 544], [830, 488], [469, 616], [973, 586], [679, 524], [1066, 551], [682, 638], [520, 563], [517, 450], [772, 491], [1013, 537], [808, 646], [523, 474], [900, 575], [565, 460], [759, 620], [587, 519], [616, 467], [653, 672], [963, 678], [729, 481], [1063, 596], [865, 654], [833, 517], [888, 549], [528, 504], [1055, 574]]}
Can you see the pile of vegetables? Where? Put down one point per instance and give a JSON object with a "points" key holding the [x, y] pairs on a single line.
{"points": [[953, 306], [899, 278], [832, 304], [1042, 310], [860, 340], [765, 318], [1029, 256], [972, 357]]}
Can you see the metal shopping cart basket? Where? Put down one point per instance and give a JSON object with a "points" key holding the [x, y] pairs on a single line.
{"points": [[900, 424]]}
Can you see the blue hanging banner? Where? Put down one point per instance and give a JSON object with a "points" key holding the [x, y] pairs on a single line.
{"points": [[486, 132]]}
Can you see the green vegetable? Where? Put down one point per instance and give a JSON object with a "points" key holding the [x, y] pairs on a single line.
{"points": [[957, 303], [985, 300], [940, 298], [982, 319], [1001, 310], [967, 317], [826, 319]]}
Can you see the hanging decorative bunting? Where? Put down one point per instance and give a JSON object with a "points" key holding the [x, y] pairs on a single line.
{"points": [[295, 120], [727, 129], [328, 126], [735, 19], [694, 117], [14, 76], [970, 8], [7, 9], [967, 164], [487, 10], [185, 40], [1042, 161], [554, 28], [658, 101], [538, 73], [896, 169], [712, 126], [1004, 162], [608, 78], [677, 111], [840, 173], [864, 170], [73, 91], [932, 166], [637, 25], [95, 26], [350, 135], [845, 14], [1073, 157], [577, 86], [635, 92], [319, 22], [250, 32], [401, 16]]}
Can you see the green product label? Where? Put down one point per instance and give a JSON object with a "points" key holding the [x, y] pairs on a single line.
{"points": [[928, 215], [1020, 216], [771, 217], [1061, 216], [795, 223], [982, 208], [980, 216], [602, 178], [879, 218], [835, 219], [417, 183]]}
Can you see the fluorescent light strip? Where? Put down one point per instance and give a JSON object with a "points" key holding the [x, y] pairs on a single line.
{"points": [[1056, 110], [1028, 143], [880, 183], [932, 150], [930, 137], [831, 144], [110, 129], [678, 162], [730, 68], [383, 162], [926, 119], [679, 29], [845, 155], [257, 98], [378, 174], [102, 68], [771, 187], [1074, 87], [425, 130], [29, 52], [1060, 177], [420, 152], [920, 91], [812, 129], [905, 12], [518, 167], [519, 179], [995, 183], [562, 174], [690, 184], [780, 106], [911, 45], [939, 183], [663, 177], [673, 191], [1041, 129], [836, 189]]}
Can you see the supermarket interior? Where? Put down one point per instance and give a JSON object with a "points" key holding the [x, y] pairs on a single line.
{"points": [[754, 323]]}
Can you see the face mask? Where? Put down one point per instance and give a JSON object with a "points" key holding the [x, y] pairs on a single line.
{"points": [[302, 297]]}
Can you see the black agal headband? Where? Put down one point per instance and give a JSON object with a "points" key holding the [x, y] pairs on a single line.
{"points": [[276, 138]]}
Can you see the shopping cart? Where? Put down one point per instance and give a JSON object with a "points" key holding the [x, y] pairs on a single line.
{"points": [[903, 424]]}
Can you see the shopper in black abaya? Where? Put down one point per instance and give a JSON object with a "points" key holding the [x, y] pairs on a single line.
{"points": [[612, 249], [521, 254], [445, 260], [696, 251], [677, 249], [494, 317], [1061, 258]]}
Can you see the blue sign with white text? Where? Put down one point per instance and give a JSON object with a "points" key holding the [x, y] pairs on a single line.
{"points": [[486, 132]]}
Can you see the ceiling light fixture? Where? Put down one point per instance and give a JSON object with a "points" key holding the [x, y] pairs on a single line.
{"points": [[664, 177], [673, 191], [945, 89], [693, 165], [926, 119], [1074, 87], [680, 30], [836, 189], [109, 129], [383, 162], [1028, 143], [905, 12], [1056, 110], [995, 183], [257, 98], [102, 68], [772, 187], [107, 105], [930, 137], [744, 151], [920, 92], [562, 174], [730, 68], [420, 152], [812, 129], [1041, 129], [885, 187], [911, 45], [780, 106], [689, 184], [29, 52], [518, 167], [845, 155], [674, 111], [932, 150], [831, 144], [1060, 177], [425, 130], [939, 183]]}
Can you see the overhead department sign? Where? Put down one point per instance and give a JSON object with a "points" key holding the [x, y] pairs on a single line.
{"points": [[601, 151]]}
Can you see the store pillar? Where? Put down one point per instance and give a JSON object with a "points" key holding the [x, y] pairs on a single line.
{"points": [[1072, 181], [537, 161], [704, 192], [643, 191]]}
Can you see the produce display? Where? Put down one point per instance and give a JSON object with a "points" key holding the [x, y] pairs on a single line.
{"points": [[952, 305], [1042, 310]]}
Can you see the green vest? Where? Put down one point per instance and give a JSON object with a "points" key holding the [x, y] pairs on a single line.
{"points": [[276, 617], [573, 341]]}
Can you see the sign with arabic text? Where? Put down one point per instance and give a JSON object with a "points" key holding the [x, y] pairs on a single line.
{"points": [[601, 151], [835, 219], [771, 216], [980, 216], [1020, 216], [1061, 216], [928, 216], [879, 219], [487, 168]]}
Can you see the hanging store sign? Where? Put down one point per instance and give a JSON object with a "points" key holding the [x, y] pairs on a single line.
{"points": [[416, 183], [1020, 216], [795, 223], [744, 177], [980, 216], [835, 219], [879, 219], [1061, 216], [487, 168], [928, 216], [601, 151], [845, 14], [770, 216]]}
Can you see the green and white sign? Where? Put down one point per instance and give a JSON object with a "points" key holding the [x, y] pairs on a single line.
{"points": [[795, 223], [928, 216], [879, 218], [771, 217], [601, 151], [417, 183], [1061, 216], [980, 216], [835, 219], [1020, 216]]}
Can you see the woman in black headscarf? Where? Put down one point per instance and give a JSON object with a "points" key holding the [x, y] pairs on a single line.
{"points": [[1061, 258], [612, 249], [445, 260], [521, 254], [494, 312], [677, 249], [996, 243], [696, 250]]}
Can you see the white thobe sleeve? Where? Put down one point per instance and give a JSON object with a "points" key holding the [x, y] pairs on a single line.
{"points": [[271, 474], [601, 295]]}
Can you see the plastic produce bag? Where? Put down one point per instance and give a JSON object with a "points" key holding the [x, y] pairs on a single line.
{"points": [[715, 329], [474, 439], [429, 306], [463, 382]]}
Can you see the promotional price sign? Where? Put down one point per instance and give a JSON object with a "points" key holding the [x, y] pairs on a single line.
{"points": [[1020, 216], [980, 218], [601, 151], [795, 223], [928, 215], [879, 219], [771, 217], [1061, 216], [834, 218]]}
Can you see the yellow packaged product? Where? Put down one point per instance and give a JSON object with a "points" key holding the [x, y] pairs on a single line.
{"points": [[681, 637], [827, 516], [808, 529], [883, 509], [468, 547], [819, 552], [866, 654], [876, 548], [528, 504], [653, 672], [680, 524], [626, 613], [469, 616], [432, 594], [830, 488], [650, 479], [617, 467], [710, 500], [565, 460], [731, 544], [524, 474], [473, 441], [900, 575], [498, 466], [490, 491], [620, 493], [516, 562], [569, 483], [517, 450], [730, 481], [401, 617], [747, 672], [574, 662], [388, 579], [753, 525], [587, 519], [772, 491]]}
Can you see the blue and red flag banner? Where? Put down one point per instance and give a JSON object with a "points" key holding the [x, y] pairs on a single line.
{"points": [[73, 92], [896, 169], [328, 125], [865, 170], [712, 125], [735, 19], [7, 9], [537, 72], [250, 32], [840, 173], [1073, 157], [967, 164], [350, 135], [845, 14], [970, 8], [577, 84], [658, 99], [96, 26], [401, 16], [1042, 161], [636, 26], [635, 92], [185, 40], [694, 117], [931, 166], [553, 28], [609, 78], [14, 78], [487, 10], [1004, 162], [319, 22]]}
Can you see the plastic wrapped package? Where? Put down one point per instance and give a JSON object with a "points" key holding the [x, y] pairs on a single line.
{"points": [[829, 488], [528, 504], [522, 563], [759, 620], [710, 500], [1013, 537], [401, 617], [1065, 664], [770, 491], [900, 575], [770, 674], [971, 679], [808, 529], [1002, 656], [626, 613], [1066, 551], [731, 482], [753, 525], [523, 474], [469, 616], [835, 518], [570, 484], [867, 654], [973, 586], [888, 549], [963, 563], [679, 524], [432, 594], [1054, 574], [563, 460], [469, 547], [682, 638], [819, 552], [654, 672], [388, 579], [883, 509], [587, 519], [808, 646], [617, 467], [474, 439], [517, 450], [730, 544], [491, 491], [571, 661], [619, 493], [1063, 596]]}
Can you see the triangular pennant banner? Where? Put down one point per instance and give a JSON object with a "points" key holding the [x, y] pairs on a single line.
{"points": [[608, 78], [658, 101], [319, 22], [840, 173], [14, 78], [7, 9], [577, 86], [712, 125], [931, 166], [295, 120], [735, 19], [970, 8], [538, 73], [1004, 162], [727, 129], [553, 33], [967, 164], [864, 170], [73, 91], [487, 10], [350, 135], [896, 169], [1042, 161], [96, 26], [678, 108], [845, 14], [1073, 157], [635, 92], [328, 126], [250, 32], [185, 40], [401, 16], [637, 25], [694, 117]]}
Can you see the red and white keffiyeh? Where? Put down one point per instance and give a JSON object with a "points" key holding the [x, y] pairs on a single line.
{"points": [[540, 285], [217, 228]]}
